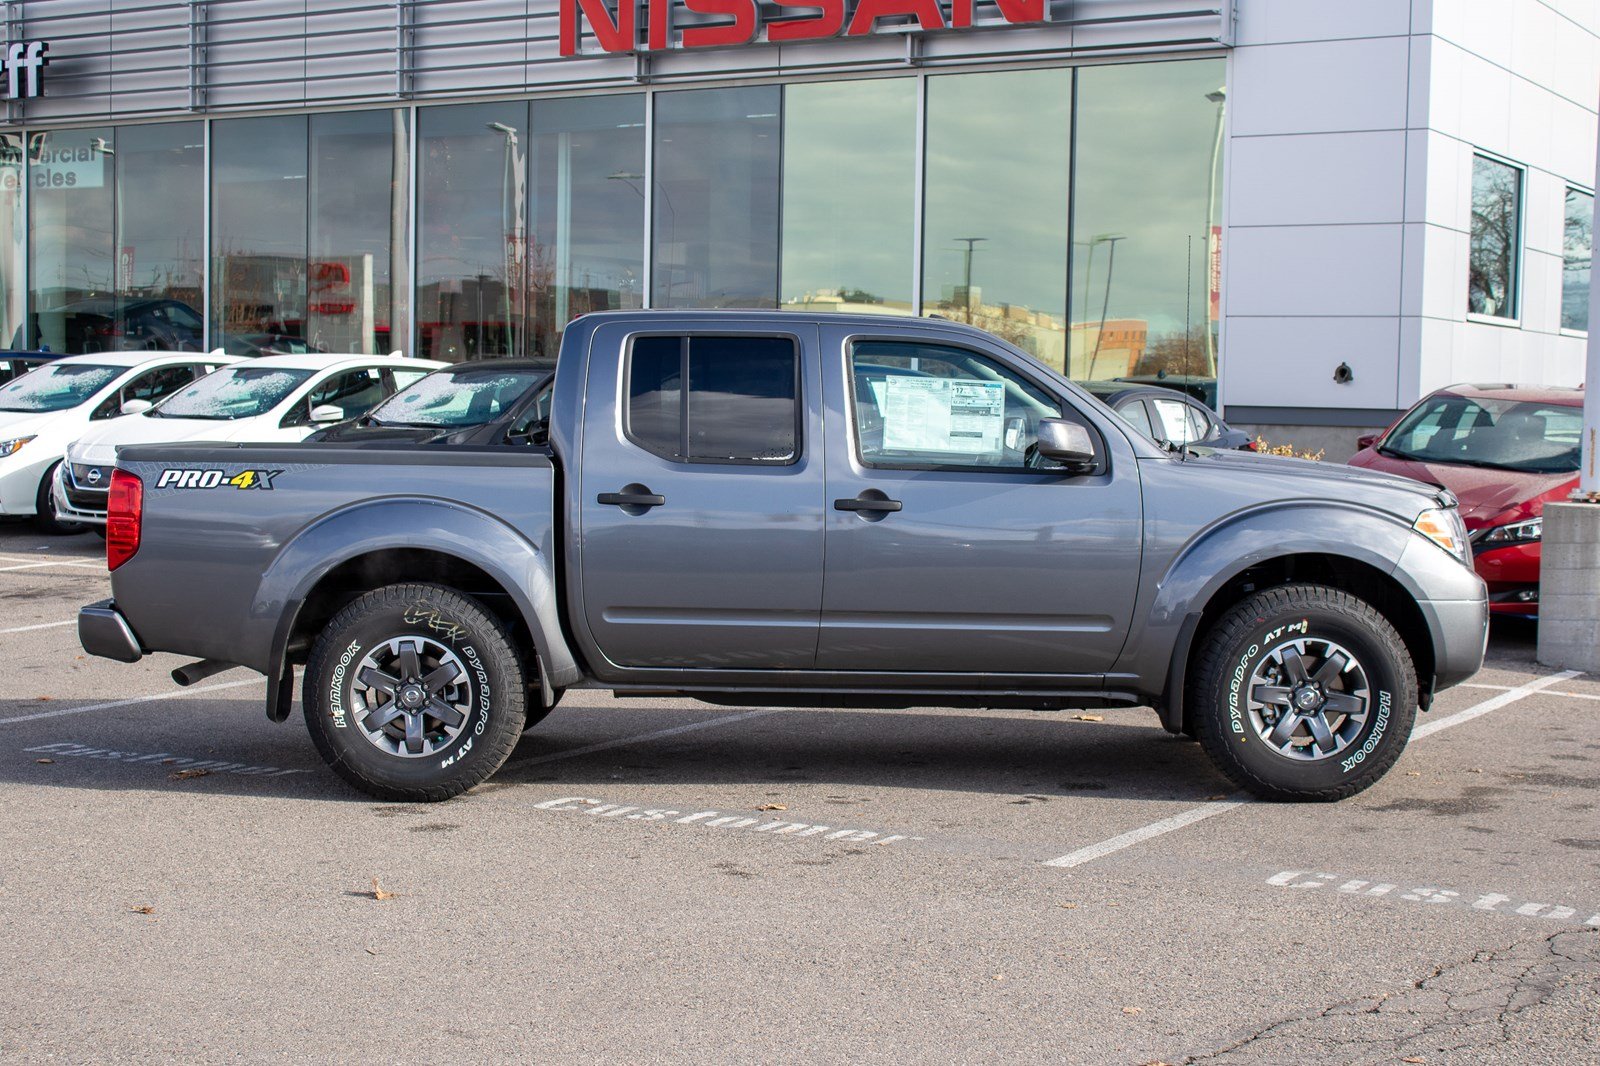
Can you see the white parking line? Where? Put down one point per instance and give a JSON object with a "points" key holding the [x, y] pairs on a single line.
{"points": [[573, 753], [130, 702], [41, 625], [1209, 810], [1547, 692]]}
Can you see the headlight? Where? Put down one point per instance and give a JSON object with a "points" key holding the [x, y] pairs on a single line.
{"points": [[1515, 533], [1444, 527], [12, 446]]}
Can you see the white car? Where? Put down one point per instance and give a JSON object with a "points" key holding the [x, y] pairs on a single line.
{"points": [[46, 409], [279, 399]]}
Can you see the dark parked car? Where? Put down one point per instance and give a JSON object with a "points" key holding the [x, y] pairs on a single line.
{"points": [[109, 324], [1199, 387], [492, 401], [1165, 414], [1505, 451], [15, 364]]}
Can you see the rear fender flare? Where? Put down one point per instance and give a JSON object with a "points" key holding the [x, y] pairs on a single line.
{"points": [[472, 536]]}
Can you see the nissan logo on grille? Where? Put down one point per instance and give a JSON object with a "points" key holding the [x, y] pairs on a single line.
{"points": [[93, 475]]}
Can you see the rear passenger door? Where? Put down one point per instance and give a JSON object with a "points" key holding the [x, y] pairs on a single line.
{"points": [[700, 499]]}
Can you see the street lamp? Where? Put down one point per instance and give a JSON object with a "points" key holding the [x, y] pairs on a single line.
{"points": [[513, 225], [966, 289], [1105, 303], [1218, 96], [628, 179]]}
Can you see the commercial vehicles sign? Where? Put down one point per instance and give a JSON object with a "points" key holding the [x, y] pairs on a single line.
{"points": [[742, 22]]}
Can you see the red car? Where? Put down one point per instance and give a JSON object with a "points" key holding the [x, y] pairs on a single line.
{"points": [[1505, 451]]}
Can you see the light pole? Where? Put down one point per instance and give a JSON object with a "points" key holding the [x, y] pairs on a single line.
{"points": [[1105, 303], [966, 288], [1218, 96], [513, 225], [628, 179]]}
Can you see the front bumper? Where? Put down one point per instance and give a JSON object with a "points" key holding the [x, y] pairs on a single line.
{"points": [[74, 500], [1455, 604], [104, 632]]}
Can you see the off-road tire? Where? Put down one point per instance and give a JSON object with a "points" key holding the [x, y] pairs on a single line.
{"points": [[497, 677], [45, 509], [1219, 689]]}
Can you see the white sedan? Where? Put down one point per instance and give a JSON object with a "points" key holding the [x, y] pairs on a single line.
{"points": [[45, 410], [278, 399]]}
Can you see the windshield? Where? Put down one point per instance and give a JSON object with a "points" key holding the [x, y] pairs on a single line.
{"points": [[1538, 438], [56, 387], [232, 392], [457, 398]]}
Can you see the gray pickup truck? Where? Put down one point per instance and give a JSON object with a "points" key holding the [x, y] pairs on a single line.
{"points": [[771, 508]]}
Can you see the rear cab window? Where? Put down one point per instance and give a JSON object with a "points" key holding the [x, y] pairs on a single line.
{"points": [[715, 399]]}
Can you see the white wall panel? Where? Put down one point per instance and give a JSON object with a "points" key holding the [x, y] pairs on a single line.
{"points": [[1329, 178]]}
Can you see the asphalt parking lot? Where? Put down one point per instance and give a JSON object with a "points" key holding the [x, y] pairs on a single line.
{"points": [[655, 881]]}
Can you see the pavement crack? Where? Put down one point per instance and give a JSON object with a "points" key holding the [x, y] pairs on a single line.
{"points": [[1492, 999]]}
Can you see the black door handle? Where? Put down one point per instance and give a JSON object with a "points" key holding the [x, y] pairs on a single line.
{"points": [[635, 496], [868, 504]]}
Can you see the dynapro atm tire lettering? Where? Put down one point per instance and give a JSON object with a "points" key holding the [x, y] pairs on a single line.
{"points": [[217, 479]]}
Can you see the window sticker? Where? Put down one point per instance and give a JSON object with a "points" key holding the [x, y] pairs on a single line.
{"points": [[956, 415]]}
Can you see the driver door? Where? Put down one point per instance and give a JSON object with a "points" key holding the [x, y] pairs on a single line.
{"points": [[950, 547]]}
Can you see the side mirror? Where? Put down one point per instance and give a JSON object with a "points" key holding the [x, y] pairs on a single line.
{"points": [[133, 407], [1367, 440], [327, 413], [1067, 443]]}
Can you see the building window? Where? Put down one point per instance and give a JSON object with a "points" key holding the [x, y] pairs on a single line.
{"points": [[587, 254], [71, 240], [995, 225], [1577, 250], [472, 217], [258, 235], [357, 300], [715, 399], [716, 197], [1146, 279], [849, 221], [1492, 263]]}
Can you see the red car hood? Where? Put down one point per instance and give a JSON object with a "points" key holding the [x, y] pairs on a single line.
{"points": [[1483, 492]]}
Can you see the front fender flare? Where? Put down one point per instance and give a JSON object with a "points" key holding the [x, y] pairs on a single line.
{"points": [[1222, 551], [471, 535]]}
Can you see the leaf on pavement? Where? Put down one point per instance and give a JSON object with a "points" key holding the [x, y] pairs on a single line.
{"points": [[379, 894], [146, 909], [1133, 1010], [46, 762], [184, 775], [772, 807], [1088, 718]]}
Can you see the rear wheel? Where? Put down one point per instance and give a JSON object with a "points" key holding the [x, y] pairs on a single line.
{"points": [[47, 518], [415, 692], [1303, 693]]}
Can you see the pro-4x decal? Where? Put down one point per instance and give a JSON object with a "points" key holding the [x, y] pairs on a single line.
{"points": [[217, 479]]}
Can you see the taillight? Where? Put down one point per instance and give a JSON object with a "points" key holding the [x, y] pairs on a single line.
{"points": [[124, 516]]}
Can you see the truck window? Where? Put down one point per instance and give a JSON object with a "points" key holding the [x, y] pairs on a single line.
{"points": [[741, 403], [920, 406]]}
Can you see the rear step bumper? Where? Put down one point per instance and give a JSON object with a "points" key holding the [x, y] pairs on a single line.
{"points": [[104, 632]]}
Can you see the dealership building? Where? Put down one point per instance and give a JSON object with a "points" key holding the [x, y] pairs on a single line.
{"points": [[1326, 208]]}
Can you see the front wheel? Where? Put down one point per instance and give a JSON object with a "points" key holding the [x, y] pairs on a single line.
{"points": [[47, 518], [415, 692], [1303, 693]]}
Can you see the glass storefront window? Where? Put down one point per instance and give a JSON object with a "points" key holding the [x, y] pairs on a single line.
{"points": [[849, 219], [358, 209], [1146, 220], [1496, 231], [472, 217], [160, 236], [1577, 248], [13, 228], [258, 234], [71, 237], [995, 227], [716, 197], [588, 212]]}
